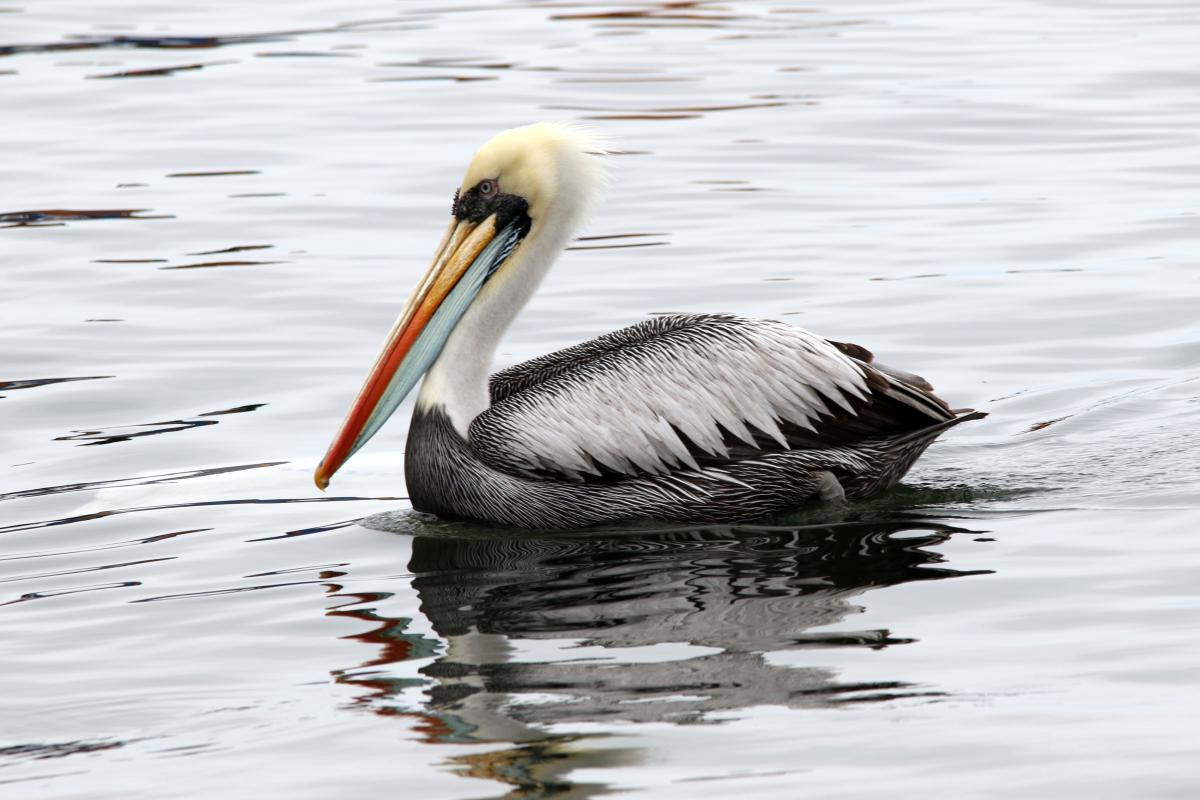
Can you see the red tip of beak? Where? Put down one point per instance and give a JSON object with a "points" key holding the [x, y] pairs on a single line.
{"points": [[320, 478]]}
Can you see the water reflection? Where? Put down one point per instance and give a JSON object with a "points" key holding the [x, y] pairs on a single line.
{"points": [[655, 626]]}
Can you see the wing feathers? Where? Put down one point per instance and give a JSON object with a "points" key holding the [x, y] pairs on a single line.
{"points": [[679, 394]]}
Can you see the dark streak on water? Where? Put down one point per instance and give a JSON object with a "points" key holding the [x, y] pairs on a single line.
{"points": [[598, 238], [33, 383], [213, 173], [145, 480], [616, 246], [302, 54], [25, 598], [452, 78], [32, 218], [50, 523], [675, 110], [125, 433], [158, 72], [57, 749], [151, 42], [208, 264], [235, 410]]}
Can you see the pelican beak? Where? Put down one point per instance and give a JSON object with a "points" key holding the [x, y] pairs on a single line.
{"points": [[469, 253]]}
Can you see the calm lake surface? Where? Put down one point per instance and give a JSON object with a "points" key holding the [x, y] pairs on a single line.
{"points": [[211, 213]]}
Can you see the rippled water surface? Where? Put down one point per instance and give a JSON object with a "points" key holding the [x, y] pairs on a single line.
{"points": [[210, 214]]}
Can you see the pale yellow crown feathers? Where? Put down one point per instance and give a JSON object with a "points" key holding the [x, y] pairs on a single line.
{"points": [[544, 163]]}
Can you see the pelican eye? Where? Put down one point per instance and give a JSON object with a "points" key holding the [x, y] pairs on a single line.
{"points": [[484, 199]]}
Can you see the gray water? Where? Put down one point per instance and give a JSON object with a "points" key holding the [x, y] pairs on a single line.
{"points": [[1001, 196]]}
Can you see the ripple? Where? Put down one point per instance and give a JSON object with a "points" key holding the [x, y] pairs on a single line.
{"points": [[170, 42], [240, 248], [19, 219], [33, 383], [159, 72], [211, 264], [102, 567], [51, 523], [126, 433], [213, 173], [58, 749], [30, 596], [141, 480]]}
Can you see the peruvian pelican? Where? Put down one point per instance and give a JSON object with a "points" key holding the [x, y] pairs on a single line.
{"points": [[697, 418]]}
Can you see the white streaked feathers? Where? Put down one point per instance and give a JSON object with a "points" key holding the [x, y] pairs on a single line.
{"points": [[626, 407]]}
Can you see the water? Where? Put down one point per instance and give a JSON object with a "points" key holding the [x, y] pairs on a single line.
{"points": [[1000, 196]]}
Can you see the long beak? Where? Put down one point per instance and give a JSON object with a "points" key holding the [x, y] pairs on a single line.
{"points": [[468, 254]]}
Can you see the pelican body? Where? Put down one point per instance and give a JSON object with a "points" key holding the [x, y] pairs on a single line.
{"points": [[693, 418]]}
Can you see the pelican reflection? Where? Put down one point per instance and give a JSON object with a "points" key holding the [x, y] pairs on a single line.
{"points": [[665, 625]]}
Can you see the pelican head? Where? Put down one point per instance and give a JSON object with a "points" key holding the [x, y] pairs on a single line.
{"points": [[523, 195]]}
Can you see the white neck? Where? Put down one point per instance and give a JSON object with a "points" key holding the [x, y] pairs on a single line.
{"points": [[458, 380], [562, 191]]}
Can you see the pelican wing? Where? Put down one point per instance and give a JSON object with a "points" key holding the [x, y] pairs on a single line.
{"points": [[685, 392]]}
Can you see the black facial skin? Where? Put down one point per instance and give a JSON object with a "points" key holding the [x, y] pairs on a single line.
{"points": [[474, 205]]}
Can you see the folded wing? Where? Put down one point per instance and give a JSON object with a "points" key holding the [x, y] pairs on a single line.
{"points": [[681, 393]]}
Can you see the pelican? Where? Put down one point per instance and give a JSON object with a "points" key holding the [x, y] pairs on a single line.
{"points": [[699, 418]]}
